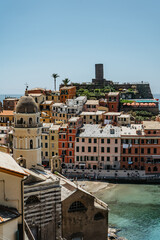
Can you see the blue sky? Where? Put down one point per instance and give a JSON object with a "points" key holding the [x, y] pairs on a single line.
{"points": [[38, 38]]}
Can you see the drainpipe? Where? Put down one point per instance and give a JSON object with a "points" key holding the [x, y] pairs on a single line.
{"points": [[22, 207]]}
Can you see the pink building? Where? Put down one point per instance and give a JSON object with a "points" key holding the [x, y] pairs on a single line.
{"points": [[98, 147]]}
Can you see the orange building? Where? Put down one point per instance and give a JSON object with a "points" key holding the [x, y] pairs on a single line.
{"points": [[113, 101], [67, 93], [6, 118]]}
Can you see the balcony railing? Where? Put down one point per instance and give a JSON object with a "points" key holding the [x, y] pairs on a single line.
{"points": [[28, 125]]}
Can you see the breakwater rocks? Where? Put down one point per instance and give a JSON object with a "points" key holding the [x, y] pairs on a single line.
{"points": [[112, 234]]}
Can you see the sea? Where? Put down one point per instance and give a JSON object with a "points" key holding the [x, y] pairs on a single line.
{"points": [[134, 209]]}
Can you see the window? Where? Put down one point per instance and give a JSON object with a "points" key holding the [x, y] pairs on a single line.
{"points": [[124, 159], [155, 169], [155, 150], [70, 160], [77, 207], [89, 149], [31, 144], [116, 159], [83, 149], [142, 159], [136, 141], [108, 159], [70, 130], [52, 145], [155, 141], [70, 139], [77, 140], [95, 140], [116, 141], [102, 140], [98, 216], [108, 141], [46, 154], [52, 137], [136, 159], [83, 139], [89, 140], [102, 149], [108, 149], [148, 150], [136, 150], [64, 136], [42, 145], [60, 137], [63, 145], [52, 153], [70, 153], [111, 131], [116, 149], [77, 158], [46, 137], [102, 158], [77, 149], [124, 150], [46, 145], [142, 150], [94, 149], [142, 141], [129, 150]]}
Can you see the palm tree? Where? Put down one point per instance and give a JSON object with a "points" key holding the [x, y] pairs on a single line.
{"points": [[66, 81], [55, 76]]}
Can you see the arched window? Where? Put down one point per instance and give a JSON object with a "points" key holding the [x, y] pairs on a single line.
{"points": [[30, 120], [31, 144], [32, 200], [98, 216], [155, 169], [149, 169], [77, 207]]}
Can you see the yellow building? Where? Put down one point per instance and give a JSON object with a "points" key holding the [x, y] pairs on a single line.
{"points": [[92, 117], [6, 118], [49, 142], [11, 197], [45, 109]]}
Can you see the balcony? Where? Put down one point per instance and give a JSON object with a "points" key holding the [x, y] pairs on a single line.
{"points": [[28, 125]]}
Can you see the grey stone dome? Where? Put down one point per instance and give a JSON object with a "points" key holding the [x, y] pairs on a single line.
{"points": [[26, 104]]}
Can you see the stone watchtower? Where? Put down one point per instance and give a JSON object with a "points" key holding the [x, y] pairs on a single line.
{"points": [[27, 132]]}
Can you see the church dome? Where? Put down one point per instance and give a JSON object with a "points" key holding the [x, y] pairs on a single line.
{"points": [[26, 104]]}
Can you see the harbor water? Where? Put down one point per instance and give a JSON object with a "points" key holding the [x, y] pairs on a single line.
{"points": [[135, 209]]}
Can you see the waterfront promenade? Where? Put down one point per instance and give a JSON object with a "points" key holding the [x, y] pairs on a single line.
{"points": [[129, 176]]}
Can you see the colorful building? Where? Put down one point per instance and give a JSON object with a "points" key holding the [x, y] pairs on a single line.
{"points": [[113, 101], [91, 106], [6, 118], [67, 135], [98, 147], [67, 93]]}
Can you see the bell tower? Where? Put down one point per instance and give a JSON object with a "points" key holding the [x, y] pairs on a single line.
{"points": [[27, 132]]}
